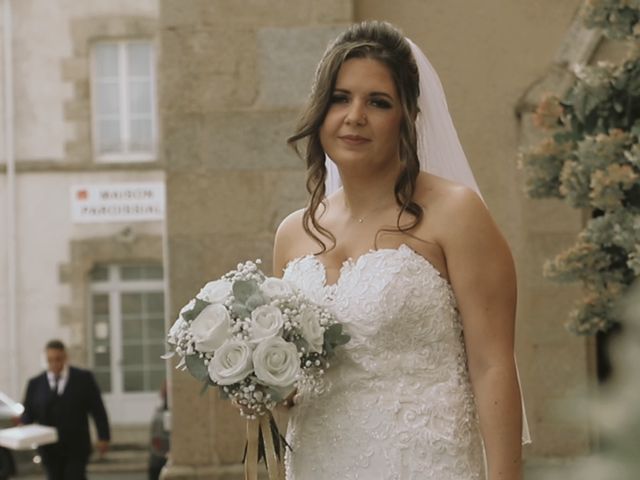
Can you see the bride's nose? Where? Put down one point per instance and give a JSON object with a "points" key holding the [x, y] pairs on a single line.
{"points": [[356, 114]]}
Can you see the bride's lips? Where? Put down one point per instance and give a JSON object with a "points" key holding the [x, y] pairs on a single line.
{"points": [[353, 139]]}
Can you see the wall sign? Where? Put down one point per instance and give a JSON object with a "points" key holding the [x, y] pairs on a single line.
{"points": [[121, 202]]}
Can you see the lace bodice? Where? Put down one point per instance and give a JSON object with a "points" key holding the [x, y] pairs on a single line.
{"points": [[398, 403]]}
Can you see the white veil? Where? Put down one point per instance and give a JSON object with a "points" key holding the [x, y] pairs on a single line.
{"points": [[439, 149]]}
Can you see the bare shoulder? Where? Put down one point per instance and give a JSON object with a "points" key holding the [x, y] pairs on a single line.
{"points": [[290, 230], [451, 207], [291, 226], [288, 235], [467, 233]]}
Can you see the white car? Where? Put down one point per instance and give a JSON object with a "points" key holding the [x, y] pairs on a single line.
{"points": [[12, 462]]}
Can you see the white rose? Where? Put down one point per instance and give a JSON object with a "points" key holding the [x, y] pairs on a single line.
{"points": [[311, 330], [266, 322], [177, 331], [211, 327], [275, 287], [276, 363], [215, 292], [231, 363]]}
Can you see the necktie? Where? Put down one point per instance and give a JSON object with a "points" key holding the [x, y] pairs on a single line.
{"points": [[56, 384]]}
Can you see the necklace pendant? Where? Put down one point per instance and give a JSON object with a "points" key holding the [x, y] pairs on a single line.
{"points": [[360, 220]]}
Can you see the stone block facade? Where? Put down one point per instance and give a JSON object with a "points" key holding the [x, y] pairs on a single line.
{"points": [[233, 78]]}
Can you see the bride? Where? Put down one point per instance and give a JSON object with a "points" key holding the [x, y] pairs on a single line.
{"points": [[409, 259]]}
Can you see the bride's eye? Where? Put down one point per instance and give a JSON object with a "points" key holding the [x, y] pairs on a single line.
{"points": [[380, 103], [339, 98]]}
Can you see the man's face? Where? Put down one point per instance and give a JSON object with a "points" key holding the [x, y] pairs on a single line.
{"points": [[56, 360]]}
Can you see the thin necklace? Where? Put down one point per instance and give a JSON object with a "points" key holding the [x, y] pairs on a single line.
{"points": [[364, 217]]}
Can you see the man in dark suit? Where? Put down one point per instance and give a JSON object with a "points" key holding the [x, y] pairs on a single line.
{"points": [[63, 397]]}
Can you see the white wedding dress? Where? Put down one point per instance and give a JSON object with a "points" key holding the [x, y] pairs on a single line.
{"points": [[398, 403]]}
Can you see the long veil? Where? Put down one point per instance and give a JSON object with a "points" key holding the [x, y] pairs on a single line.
{"points": [[439, 151]]}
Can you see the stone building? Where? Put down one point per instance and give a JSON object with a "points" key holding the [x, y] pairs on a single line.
{"points": [[82, 198], [234, 76], [206, 93]]}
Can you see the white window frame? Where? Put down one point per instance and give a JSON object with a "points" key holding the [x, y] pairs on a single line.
{"points": [[114, 286], [125, 156]]}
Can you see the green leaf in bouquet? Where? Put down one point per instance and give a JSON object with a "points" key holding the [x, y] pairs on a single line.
{"points": [[200, 305], [276, 396], [243, 289], [334, 335], [196, 367], [255, 300], [205, 387], [240, 310], [223, 395], [328, 348]]}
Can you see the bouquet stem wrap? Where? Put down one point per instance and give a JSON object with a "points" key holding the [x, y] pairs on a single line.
{"points": [[260, 440]]}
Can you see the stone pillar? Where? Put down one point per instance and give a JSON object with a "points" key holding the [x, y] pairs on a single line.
{"points": [[233, 78]]}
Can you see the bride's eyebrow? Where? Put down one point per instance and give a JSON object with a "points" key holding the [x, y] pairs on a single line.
{"points": [[381, 94], [371, 94]]}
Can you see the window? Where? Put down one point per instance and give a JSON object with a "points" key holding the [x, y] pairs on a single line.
{"points": [[123, 97], [127, 328]]}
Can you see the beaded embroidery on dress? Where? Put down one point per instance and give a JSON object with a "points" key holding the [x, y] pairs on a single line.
{"points": [[398, 403]]}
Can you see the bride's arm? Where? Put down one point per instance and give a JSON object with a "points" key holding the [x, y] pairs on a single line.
{"points": [[282, 246], [482, 274]]}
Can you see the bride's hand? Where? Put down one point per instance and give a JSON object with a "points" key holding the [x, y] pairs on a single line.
{"points": [[289, 402]]}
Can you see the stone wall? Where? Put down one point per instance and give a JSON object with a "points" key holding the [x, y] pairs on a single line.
{"points": [[233, 78]]}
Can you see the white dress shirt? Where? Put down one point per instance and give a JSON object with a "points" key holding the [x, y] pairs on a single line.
{"points": [[62, 381]]}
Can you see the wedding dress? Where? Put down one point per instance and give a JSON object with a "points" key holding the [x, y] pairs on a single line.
{"points": [[398, 403]]}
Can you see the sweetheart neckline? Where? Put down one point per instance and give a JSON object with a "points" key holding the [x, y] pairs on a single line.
{"points": [[351, 262]]}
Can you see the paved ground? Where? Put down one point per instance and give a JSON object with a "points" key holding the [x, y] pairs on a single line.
{"points": [[96, 476], [536, 471], [120, 464]]}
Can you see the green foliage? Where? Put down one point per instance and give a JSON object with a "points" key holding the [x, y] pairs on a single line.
{"points": [[334, 337], [605, 97], [196, 367], [591, 159], [199, 305], [619, 19], [542, 165], [247, 296], [243, 289]]}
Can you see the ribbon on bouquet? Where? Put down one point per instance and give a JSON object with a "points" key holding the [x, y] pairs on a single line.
{"points": [[264, 439]]}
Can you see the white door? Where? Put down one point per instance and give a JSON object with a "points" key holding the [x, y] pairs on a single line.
{"points": [[127, 339]]}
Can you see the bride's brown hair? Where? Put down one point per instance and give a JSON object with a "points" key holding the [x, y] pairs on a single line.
{"points": [[379, 41]]}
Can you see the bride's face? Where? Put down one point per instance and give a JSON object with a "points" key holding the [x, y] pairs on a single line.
{"points": [[362, 125]]}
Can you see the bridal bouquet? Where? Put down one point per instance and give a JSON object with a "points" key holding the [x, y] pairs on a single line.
{"points": [[258, 339]]}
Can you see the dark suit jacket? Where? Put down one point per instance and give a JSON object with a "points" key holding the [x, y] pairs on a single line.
{"points": [[67, 412]]}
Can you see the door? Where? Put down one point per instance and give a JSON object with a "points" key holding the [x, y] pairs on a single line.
{"points": [[127, 339]]}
